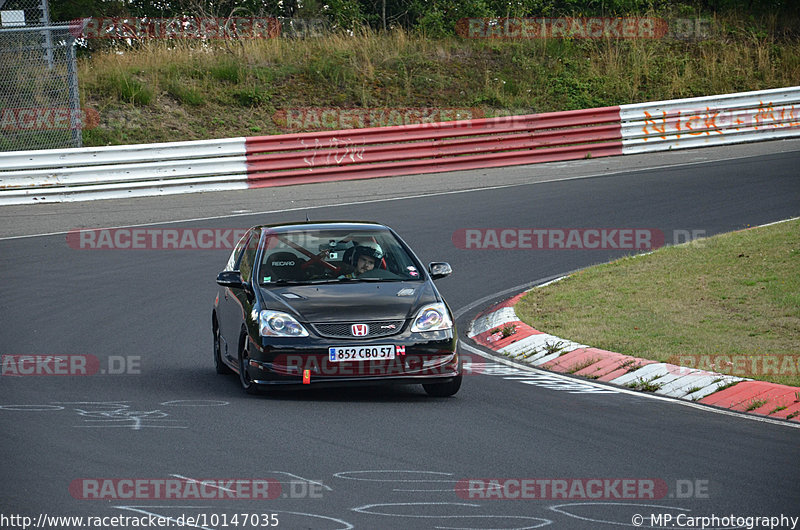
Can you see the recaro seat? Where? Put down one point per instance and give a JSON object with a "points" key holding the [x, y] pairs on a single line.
{"points": [[284, 266]]}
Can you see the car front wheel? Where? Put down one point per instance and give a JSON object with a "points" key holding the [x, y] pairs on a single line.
{"points": [[443, 389], [219, 364], [244, 375]]}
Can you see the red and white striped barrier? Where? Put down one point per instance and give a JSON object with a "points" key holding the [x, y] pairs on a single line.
{"points": [[432, 147], [499, 329], [252, 162]]}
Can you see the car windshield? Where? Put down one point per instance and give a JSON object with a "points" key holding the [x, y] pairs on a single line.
{"points": [[326, 256]]}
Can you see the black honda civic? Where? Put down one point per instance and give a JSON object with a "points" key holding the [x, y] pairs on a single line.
{"points": [[333, 303]]}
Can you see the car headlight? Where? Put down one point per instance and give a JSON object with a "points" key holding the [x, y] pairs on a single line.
{"points": [[432, 317], [278, 324]]}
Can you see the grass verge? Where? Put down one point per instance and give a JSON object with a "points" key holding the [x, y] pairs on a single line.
{"points": [[729, 303]]}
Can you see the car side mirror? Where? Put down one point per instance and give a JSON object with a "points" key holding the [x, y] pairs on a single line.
{"points": [[439, 269], [230, 279]]}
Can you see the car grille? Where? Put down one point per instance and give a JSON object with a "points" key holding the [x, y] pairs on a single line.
{"points": [[377, 328]]}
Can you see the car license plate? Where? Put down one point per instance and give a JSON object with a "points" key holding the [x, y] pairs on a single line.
{"points": [[360, 353]]}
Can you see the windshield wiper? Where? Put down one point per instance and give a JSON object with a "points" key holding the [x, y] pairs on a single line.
{"points": [[304, 282], [373, 279], [286, 282], [330, 280]]}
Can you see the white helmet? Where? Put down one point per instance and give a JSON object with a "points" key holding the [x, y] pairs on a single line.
{"points": [[370, 249]]}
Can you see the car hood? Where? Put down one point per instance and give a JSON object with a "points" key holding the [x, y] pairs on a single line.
{"points": [[346, 302]]}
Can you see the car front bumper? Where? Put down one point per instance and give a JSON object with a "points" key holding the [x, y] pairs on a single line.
{"points": [[428, 358]]}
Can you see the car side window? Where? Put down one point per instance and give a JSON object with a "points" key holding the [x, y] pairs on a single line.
{"points": [[233, 260], [249, 256]]}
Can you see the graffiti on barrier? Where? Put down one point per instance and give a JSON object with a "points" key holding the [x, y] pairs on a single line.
{"points": [[708, 121], [333, 151]]}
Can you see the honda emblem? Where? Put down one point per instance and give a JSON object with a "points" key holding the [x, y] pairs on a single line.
{"points": [[359, 330]]}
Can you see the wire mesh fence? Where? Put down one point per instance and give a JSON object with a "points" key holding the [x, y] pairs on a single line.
{"points": [[24, 13], [39, 98]]}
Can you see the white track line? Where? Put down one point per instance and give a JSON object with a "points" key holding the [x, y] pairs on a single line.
{"points": [[623, 390], [557, 277]]}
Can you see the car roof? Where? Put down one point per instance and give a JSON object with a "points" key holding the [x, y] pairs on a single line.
{"points": [[324, 225]]}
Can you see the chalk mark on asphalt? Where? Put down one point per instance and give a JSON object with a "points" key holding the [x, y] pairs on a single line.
{"points": [[342, 475], [118, 414], [558, 509], [366, 509]]}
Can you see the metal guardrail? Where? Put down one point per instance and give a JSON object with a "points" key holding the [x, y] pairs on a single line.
{"points": [[61, 175], [239, 163], [432, 147], [714, 120], [119, 154]]}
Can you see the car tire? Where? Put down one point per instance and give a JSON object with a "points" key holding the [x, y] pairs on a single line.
{"points": [[443, 389], [219, 364], [244, 375]]}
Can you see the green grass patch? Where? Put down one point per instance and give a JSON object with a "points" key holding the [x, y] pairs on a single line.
{"points": [[580, 366], [226, 70], [728, 385], [735, 295], [251, 97], [507, 330], [754, 404], [125, 87], [644, 385], [185, 94]]}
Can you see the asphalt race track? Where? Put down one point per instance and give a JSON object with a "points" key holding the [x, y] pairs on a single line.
{"points": [[386, 457]]}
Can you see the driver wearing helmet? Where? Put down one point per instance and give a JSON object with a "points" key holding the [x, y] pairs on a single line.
{"points": [[365, 258]]}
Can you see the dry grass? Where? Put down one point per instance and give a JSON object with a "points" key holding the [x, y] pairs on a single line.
{"points": [[189, 90]]}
